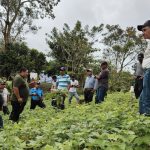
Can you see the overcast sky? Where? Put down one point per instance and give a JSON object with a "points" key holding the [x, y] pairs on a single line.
{"points": [[91, 12]]}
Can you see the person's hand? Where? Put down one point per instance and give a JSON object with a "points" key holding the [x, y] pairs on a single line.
{"points": [[96, 76], [141, 77], [20, 100]]}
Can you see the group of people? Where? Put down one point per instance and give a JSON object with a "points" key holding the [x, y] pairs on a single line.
{"points": [[93, 83], [63, 82]]}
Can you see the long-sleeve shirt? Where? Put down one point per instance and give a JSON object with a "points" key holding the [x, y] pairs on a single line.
{"points": [[146, 60], [139, 69]]}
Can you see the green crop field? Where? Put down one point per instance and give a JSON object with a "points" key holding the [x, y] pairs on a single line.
{"points": [[112, 125]]}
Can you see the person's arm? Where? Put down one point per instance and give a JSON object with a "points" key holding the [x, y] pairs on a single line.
{"points": [[103, 75], [16, 92]]}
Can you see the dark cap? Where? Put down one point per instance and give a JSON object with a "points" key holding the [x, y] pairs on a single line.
{"points": [[146, 24], [62, 68], [89, 70]]}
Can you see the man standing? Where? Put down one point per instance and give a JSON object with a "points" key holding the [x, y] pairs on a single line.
{"points": [[144, 104], [101, 85], [20, 94], [63, 83], [89, 86], [139, 73]]}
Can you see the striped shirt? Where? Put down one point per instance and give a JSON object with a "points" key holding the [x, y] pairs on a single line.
{"points": [[63, 82]]}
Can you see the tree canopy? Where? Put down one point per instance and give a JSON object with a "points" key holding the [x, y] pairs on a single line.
{"points": [[73, 47], [16, 14], [19, 56]]}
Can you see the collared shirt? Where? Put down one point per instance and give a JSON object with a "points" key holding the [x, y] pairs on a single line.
{"points": [[62, 82], [139, 69], [146, 60], [38, 92], [89, 82]]}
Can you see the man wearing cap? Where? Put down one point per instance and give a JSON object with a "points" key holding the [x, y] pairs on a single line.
{"points": [[63, 82], [144, 104], [20, 94], [89, 86], [139, 73]]}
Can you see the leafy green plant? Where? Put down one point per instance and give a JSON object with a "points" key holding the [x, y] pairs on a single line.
{"points": [[113, 125]]}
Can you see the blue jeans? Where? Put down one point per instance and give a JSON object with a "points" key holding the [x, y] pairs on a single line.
{"points": [[100, 94], [71, 94], [144, 103]]}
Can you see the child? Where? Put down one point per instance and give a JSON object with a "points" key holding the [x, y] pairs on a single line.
{"points": [[36, 94], [5, 95]]}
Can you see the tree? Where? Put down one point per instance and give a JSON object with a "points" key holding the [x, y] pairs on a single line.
{"points": [[16, 14], [122, 46], [73, 48], [19, 56]]}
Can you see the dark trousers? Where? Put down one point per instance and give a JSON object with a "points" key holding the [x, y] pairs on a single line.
{"points": [[35, 103], [1, 122], [138, 87], [100, 94], [88, 95], [17, 109], [59, 103], [5, 110]]}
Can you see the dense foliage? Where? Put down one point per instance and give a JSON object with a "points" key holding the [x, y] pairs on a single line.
{"points": [[112, 125], [19, 56]]}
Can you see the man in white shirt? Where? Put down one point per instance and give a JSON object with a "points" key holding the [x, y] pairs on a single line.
{"points": [[144, 104], [72, 90]]}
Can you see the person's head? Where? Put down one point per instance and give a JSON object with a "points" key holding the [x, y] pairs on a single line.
{"points": [[104, 65], [62, 70], [24, 72], [145, 28], [73, 77], [140, 57], [37, 84], [54, 78], [89, 72]]}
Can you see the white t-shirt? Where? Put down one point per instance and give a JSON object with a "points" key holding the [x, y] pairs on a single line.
{"points": [[33, 75], [5, 96], [73, 89]]}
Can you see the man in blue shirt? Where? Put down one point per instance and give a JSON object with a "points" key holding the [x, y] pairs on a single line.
{"points": [[63, 84], [36, 94], [89, 86]]}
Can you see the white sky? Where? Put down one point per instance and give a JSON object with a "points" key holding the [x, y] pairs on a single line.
{"points": [[90, 12]]}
